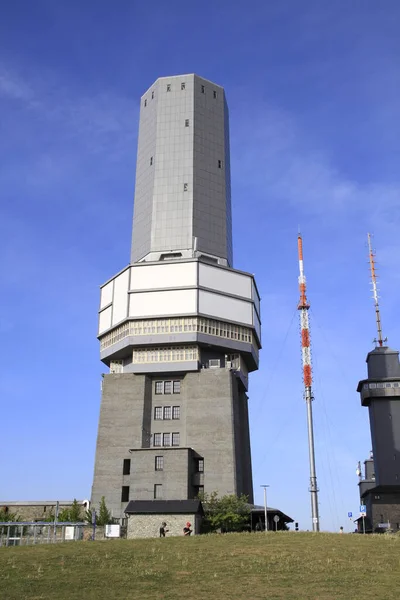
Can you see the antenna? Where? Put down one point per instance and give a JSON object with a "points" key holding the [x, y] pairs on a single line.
{"points": [[303, 307], [380, 340]]}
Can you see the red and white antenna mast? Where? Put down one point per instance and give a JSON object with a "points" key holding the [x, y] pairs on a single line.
{"points": [[380, 339], [303, 307]]}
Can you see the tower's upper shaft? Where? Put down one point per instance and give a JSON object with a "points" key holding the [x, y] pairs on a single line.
{"points": [[182, 192]]}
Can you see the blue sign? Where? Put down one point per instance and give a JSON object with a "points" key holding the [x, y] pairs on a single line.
{"points": [[363, 510], [349, 514]]}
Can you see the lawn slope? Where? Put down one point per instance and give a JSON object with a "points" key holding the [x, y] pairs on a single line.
{"points": [[289, 565]]}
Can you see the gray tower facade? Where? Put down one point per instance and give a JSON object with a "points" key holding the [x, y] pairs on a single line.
{"points": [[380, 488], [179, 328], [182, 192]]}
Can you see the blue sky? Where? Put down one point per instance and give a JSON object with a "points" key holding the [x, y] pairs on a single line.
{"points": [[313, 89]]}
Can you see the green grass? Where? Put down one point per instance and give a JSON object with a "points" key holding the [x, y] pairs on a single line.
{"points": [[294, 566]]}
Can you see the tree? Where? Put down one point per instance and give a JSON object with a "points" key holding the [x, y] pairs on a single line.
{"points": [[228, 513], [7, 516], [103, 515], [72, 514]]}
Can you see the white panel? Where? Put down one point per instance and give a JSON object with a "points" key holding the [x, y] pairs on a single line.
{"points": [[257, 324], [120, 300], [106, 294], [225, 281], [163, 276], [223, 307], [105, 320], [255, 297], [149, 304]]}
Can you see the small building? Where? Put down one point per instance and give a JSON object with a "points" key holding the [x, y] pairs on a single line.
{"points": [[146, 516], [39, 510], [257, 518]]}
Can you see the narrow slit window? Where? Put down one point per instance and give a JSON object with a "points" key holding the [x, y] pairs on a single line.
{"points": [[183, 86], [127, 466], [151, 160], [125, 493], [202, 89], [152, 95], [185, 187], [186, 122], [168, 87], [145, 102], [215, 94], [220, 164]]}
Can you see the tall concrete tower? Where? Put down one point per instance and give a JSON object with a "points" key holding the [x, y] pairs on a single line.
{"points": [[380, 486], [179, 328]]}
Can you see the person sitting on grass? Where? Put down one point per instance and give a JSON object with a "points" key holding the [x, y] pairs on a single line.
{"points": [[187, 530]]}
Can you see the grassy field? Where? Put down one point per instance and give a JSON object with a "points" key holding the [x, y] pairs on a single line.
{"points": [[289, 565]]}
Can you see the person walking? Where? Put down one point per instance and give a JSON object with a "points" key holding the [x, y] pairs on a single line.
{"points": [[163, 529], [186, 529]]}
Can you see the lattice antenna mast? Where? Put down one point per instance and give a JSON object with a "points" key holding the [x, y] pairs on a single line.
{"points": [[303, 307], [380, 339]]}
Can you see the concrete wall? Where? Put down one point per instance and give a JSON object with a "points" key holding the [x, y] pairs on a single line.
{"points": [[213, 422], [384, 416], [123, 424], [384, 507], [145, 526]]}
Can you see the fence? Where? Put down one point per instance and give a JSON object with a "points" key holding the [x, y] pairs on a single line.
{"points": [[26, 533]]}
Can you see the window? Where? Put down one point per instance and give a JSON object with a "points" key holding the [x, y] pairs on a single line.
{"points": [[200, 465], [125, 493], [186, 122], [176, 439], [177, 387], [215, 94], [166, 439], [157, 439], [168, 87], [127, 466], [159, 387], [157, 491], [167, 387], [219, 164], [158, 413], [152, 95], [183, 86], [185, 187], [202, 89], [167, 412], [159, 463], [176, 412], [145, 102], [214, 363], [151, 160]]}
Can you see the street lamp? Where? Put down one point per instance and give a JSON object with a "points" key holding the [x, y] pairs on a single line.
{"points": [[265, 506]]}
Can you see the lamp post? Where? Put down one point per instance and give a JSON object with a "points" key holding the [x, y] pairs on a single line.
{"points": [[265, 506]]}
